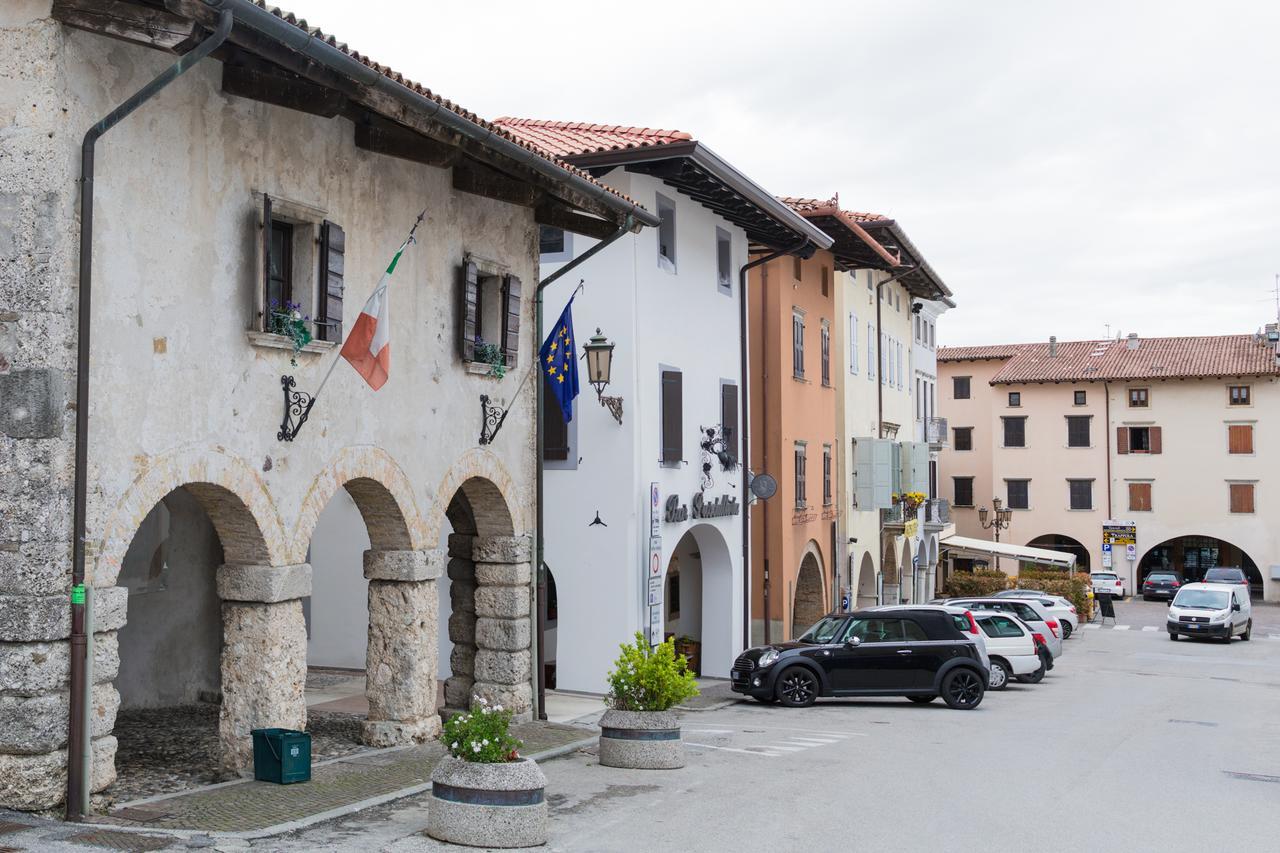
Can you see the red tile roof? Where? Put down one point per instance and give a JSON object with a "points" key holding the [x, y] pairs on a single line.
{"points": [[828, 207], [317, 33], [576, 138], [1114, 360]]}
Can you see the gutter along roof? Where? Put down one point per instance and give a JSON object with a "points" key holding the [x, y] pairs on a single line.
{"points": [[872, 241], [280, 59], [1216, 356], [682, 162]]}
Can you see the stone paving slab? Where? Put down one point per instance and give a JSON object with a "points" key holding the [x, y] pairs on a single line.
{"points": [[714, 693], [252, 807]]}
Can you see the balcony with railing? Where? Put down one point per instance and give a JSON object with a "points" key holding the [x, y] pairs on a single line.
{"points": [[937, 513], [935, 431], [893, 516]]}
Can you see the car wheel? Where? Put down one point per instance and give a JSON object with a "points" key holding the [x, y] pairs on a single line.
{"points": [[1034, 677], [1248, 630], [1000, 674], [962, 689], [1173, 635], [797, 687], [1066, 630], [922, 700]]}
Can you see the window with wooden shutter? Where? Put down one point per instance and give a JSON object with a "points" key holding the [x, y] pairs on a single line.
{"points": [[1080, 494], [1154, 435], [826, 354], [672, 417], [1240, 438], [1078, 430], [1015, 432], [1140, 497], [826, 475], [1241, 497], [555, 429], [511, 319], [729, 419], [468, 310], [333, 248], [1018, 493], [962, 491], [797, 346], [800, 476], [1122, 439]]}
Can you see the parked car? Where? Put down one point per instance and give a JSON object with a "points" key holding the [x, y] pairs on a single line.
{"points": [[918, 652], [1107, 582], [1011, 646], [1161, 584], [1056, 605], [1211, 610], [1028, 610], [1224, 574], [959, 615]]}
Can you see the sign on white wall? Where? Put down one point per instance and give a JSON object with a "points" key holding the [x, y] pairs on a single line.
{"points": [[653, 571]]}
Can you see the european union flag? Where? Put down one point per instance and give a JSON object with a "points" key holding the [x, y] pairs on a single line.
{"points": [[559, 360]]}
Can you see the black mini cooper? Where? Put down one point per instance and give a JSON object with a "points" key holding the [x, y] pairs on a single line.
{"points": [[921, 653]]}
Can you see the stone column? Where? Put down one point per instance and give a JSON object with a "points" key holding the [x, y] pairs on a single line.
{"points": [[462, 623], [504, 590], [931, 582], [35, 703], [264, 655], [400, 663]]}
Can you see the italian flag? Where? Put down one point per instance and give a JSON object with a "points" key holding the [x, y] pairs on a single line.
{"points": [[368, 347]]}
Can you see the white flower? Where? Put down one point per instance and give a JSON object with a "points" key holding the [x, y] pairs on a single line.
{"points": [[497, 708], [485, 741], [453, 745], [475, 747]]}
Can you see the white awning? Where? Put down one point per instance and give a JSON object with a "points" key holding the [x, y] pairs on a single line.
{"points": [[963, 545]]}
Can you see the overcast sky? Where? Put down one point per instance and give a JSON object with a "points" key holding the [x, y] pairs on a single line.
{"points": [[1062, 166]]}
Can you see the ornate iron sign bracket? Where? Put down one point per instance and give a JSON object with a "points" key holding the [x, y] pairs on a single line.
{"points": [[297, 408], [614, 405], [491, 419]]}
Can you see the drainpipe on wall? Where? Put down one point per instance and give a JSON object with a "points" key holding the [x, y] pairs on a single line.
{"points": [[79, 748], [744, 354], [540, 600]]}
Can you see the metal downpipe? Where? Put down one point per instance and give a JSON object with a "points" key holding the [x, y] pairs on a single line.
{"points": [[78, 770]]}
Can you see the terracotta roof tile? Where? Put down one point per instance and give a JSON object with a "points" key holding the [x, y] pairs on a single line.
{"points": [[830, 206], [495, 127], [576, 138], [1114, 360]]}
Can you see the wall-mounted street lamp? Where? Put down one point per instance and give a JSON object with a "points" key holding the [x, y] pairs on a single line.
{"points": [[1003, 517], [599, 356]]}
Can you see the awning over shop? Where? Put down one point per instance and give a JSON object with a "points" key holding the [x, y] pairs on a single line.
{"points": [[964, 546]]}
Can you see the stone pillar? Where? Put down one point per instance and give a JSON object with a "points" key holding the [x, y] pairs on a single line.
{"points": [[264, 655], [931, 582], [400, 663], [462, 623], [504, 590], [35, 704]]}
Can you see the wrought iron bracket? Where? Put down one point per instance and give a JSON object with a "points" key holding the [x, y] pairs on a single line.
{"points": [[297, 408], [614, 405], [491, 419]]}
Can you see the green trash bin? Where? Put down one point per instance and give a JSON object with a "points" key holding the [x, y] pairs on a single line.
{"points": [[282, 756]]}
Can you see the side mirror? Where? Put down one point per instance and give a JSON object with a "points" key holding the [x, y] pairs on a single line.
{"points": [[853, 642], [1235, 605]]}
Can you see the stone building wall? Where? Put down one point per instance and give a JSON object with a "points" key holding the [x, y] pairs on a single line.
{"points": [[183, 397]]}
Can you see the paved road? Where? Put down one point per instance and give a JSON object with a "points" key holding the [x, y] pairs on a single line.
{"points": [[1132, 743]]}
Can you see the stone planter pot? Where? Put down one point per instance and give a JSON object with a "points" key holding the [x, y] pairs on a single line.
{"points": [[488, 805], [641, 740]]}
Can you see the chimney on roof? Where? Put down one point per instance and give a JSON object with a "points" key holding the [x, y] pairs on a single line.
{"points": [[1132, 342], [1053, 346]]}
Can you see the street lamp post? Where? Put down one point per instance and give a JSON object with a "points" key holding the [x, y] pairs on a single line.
{"points": [[1000, 521]]}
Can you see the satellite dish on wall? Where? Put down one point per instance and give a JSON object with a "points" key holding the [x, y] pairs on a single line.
{"points": [[763, 486]]}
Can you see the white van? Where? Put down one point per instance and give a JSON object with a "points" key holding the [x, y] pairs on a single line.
{"points": [[1211, 610]]}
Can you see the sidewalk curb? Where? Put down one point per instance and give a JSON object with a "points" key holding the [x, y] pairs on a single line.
{"points": [[716, 707]]}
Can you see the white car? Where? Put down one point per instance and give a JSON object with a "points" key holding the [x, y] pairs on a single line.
{"points": [[1029, 610], [1011, 647], [1058, 607], [1107, 582], [1219, 610], [964, 620]]}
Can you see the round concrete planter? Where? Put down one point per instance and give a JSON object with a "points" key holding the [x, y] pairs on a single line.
{"points": [[641, 740], [488, 805]]}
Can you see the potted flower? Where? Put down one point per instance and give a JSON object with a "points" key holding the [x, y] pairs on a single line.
{"points": [[640, 731], [288, 321], [483, 794], [492, 355], [910, 500]]}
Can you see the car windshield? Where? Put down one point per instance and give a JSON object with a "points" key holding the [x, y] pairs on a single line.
{"points": [[1202, 599], [823, 631]]}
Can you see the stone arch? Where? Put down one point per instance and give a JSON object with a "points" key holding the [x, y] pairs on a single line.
{"points": [[489, 503], [808, 603], [1067, 544], [865, 582], [382, 492], [231, 493], [889, 562]]}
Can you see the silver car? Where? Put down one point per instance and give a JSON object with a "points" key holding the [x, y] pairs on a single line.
{"points": [[1029, 610]]}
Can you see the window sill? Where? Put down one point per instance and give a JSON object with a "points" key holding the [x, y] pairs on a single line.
{"points": [[273, 341], [801, 379], [477, 368]]}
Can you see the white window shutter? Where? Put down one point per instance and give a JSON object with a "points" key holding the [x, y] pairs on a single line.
{"points": [[882, 473], [864, 466]]}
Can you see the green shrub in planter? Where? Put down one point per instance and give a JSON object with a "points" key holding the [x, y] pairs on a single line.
{"points": [[976, 583], [649, 679], [481, 735]]}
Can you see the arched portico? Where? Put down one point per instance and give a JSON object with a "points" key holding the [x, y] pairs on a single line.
{"points": [[808, 603]]}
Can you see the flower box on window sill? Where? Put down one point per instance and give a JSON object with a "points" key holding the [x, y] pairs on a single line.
{"points": [[267, 339], [479, 368]]}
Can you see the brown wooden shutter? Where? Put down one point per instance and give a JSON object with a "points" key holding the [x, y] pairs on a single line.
{"points": [[1155, 440], [468, 310], [672, 416], [1240, 438], [729, 419], [511, 319], [1140, 497], [333, 247], [266, 262], [1122, 439], [1241, 497], [555, 429]]}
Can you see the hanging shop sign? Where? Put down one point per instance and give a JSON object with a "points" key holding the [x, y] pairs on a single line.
{"points": [[720, 507]]}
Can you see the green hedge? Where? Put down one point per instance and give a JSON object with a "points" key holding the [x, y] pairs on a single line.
{"points": [[977, 582], [1073, 587]]}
